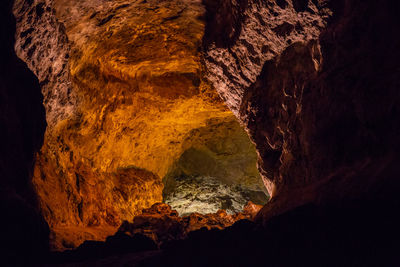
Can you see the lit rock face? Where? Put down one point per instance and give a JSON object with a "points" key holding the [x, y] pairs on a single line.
{"points": [[42, 43], [220, 149], [217, 171], [205, 195], [261, 33], [322, 127], [323, 114], [124, 95], [242, 35]]}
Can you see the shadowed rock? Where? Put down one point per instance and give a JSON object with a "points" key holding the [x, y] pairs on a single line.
{"points": [[23, 231]]}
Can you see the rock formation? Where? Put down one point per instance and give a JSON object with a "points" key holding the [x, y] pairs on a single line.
{"points": [[42, 43], [163, 225], [158, 227], [24, 233], [125, 102], [303, 77], [313, 82]]}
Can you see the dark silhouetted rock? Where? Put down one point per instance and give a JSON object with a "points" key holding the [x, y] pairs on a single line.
{"points": [[23, 231], [164, 225], [320, 100]]}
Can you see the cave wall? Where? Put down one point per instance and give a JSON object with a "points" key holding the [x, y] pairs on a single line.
{"points": [[221, 150], [313, 82], [216, 170], [316, 85], [264, 32], [242, 35], [324, 116], [42, 43], [124, 90], [24, 232]]}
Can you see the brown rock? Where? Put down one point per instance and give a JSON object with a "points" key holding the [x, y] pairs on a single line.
{"points": [[320, 112], [158, 222], [320, 102], [125, 97], [251, 209], [162, 224]]}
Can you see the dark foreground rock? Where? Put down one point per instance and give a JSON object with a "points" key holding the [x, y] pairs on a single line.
{"points": [[162, 224], [118, 244], [158, 227], [357, 232], [23, 231], [361, 232], [316, 83]]}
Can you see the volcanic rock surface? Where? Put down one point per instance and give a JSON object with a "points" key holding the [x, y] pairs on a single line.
{"points": [[163, 225], [125, 101], [205, 194], [314, 83], [154, 230]]}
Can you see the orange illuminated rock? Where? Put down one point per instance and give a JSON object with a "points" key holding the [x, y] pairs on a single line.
{"points": [[124, 96]]}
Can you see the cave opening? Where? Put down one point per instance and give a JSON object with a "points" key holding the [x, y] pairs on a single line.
{"points": [[217, 170], [132, 119]]}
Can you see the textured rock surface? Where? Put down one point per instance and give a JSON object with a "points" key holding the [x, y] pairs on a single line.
{"points": [[265, 32], [305, 86], [163, 225], [205, 194], [256, 33], [42, 43], [220, 149], [217, 170], [125, 97], [323, 118], [323, 112]]}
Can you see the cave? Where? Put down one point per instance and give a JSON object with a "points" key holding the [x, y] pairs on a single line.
{"points": [[131, 118], [218, 171], [174, 133]]}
